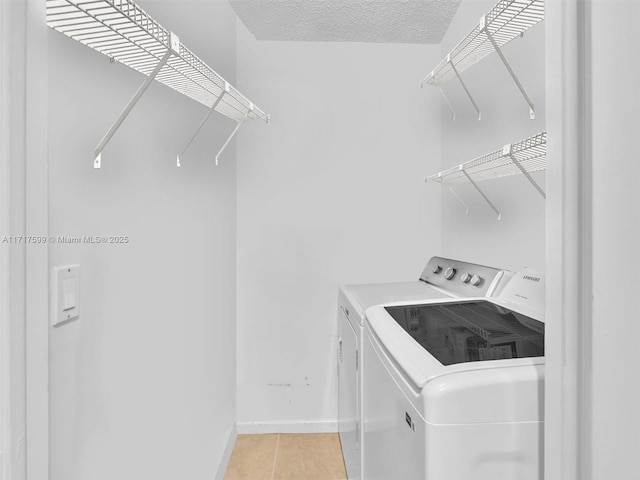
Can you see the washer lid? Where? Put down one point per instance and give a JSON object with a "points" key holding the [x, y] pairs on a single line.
{"points": [[470, 331]]}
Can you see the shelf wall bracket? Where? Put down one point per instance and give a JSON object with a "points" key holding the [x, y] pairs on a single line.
{"points": [[507, 152], [453, 67], [175, 45], [204, 120], [481, 192], [483, 28], [246, 115]]}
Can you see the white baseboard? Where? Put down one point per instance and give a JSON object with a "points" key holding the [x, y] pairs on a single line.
{"points": [[292, 426], [226, 456]]}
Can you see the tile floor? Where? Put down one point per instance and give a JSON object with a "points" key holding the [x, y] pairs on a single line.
{"points": [[287, 456]]}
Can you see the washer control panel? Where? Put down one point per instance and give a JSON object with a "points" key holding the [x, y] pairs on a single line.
{"points": [[463, 278]]}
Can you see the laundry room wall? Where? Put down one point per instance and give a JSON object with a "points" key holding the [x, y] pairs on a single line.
{"points": [[518, 239], [142, 386], [331, 192], [613, 440]]}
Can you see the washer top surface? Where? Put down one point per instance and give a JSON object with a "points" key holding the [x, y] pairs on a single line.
{"points": [[441, 278]]}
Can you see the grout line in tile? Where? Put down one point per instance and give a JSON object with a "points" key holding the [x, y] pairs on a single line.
{"points": [[275, 458]]}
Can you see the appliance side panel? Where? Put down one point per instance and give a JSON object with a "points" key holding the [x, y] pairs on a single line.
{"points": [[349, 396]]}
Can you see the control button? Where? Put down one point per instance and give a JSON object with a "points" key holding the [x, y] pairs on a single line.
{"points": [[450, 273], [437, 269], [476, 280], [465, 277]]}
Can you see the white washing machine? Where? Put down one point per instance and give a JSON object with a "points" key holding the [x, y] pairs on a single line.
{"points": [[454, 389], [436, 282]]}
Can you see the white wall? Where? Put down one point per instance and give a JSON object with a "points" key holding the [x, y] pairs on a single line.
{"points": [[331, 192], [143, 385], [615, 68], [518, 239]]}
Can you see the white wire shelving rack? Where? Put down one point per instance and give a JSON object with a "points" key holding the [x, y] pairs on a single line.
{"points": [[524, 157], [125, 33], [508, 20]]}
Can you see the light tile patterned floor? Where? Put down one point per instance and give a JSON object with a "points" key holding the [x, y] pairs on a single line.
{"points": [[287, 456]]}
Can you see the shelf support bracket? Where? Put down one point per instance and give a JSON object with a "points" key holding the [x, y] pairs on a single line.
{"points": [[507, 152], [483, 28], [97, 163], [246, 115], [453, 112], [424, 80], [466, 209], [204, 120], [453, 67], [481, 193], [432, 75]]}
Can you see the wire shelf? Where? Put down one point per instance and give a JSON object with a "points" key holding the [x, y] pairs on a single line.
{"points": [[506, 21], [531, 154], [125, 33], [527, 156]]}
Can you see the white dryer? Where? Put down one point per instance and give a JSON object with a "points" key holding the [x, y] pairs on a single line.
{"points": [[454, 389], [436, 282]]}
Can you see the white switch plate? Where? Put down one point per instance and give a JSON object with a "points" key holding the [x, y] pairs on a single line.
{"points": [[65, 294]]}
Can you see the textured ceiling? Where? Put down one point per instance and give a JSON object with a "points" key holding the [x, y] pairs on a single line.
{"points": [[376, 21]]}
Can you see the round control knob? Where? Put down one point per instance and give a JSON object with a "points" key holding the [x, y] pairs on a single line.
{"points": [[465, 278], [476, 280], [437, 269], [450, 273]]}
